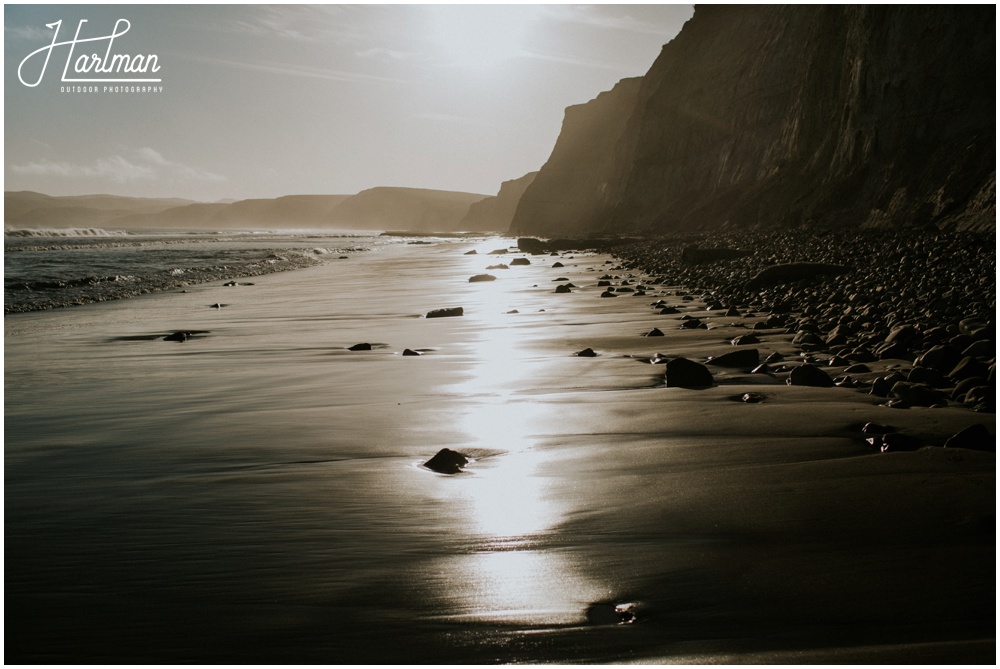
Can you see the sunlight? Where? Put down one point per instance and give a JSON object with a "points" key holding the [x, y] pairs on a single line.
{"points": [[480, 36]]}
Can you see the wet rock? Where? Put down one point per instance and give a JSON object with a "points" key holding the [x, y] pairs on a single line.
{"points": [[744, 340], [446, 313], [965, 385], [532, 245], [903, 333], [498, 252], [967, 368], [762, 368], [857, 368], [976, 437], [917, 394], [941, 358], [929, 376], [655, 332], [809, 375], [470, 253], [586, 353], [692, 324], [684, 373], [979, 349], [500, 266], [180, 335], [411, 352], [774, 358], [804, 339], [563, 289], [666, 311], [753, 398], [744, 358], [608, 293], [604, 613], [519, 261], [482, 277], [792, 272], [895, 442], [877, 428], [447, 461], [360, 347]]}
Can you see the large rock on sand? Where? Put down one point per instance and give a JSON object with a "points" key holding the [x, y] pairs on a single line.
{"points": [[747, 357], [792, 272], [445, 313], [684, 373], [532, 245], [447, 461], [809, 375]]}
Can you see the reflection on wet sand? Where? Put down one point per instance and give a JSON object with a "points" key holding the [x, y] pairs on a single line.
{"points": [[509, 574]]}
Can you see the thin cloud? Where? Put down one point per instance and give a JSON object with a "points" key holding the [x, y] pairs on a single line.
{"points": [[600, 16], [146, 165], [382, 53], [566, 60], [299, 71], [29, 33]]}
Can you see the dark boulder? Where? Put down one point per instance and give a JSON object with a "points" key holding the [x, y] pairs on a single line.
{"points": [[411, 352], [809, 375], [520, 261], [655, 332], [684, 373], [745, 358], [586, 353], [894, 442], [967, 368], [445, 313], [743, 340], [941, 358], [791, 272], [531, 245], [482, 277], [563, 289], [180, 335], [360, 347], [447, 461], [976, 437]]}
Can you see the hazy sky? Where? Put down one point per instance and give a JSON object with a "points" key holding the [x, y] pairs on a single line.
{"points": [[262, 101]]}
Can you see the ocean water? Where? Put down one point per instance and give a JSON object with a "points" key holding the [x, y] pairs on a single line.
{"points": [[45, 269]]}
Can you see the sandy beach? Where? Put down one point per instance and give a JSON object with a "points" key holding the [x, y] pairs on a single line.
{"points": [[255, 494]]}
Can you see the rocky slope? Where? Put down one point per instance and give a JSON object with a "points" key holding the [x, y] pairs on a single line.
{"points": [[765, 116], [494, 214]]}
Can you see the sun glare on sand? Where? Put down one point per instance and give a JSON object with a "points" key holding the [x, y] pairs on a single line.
{"points": [[513, 577]]}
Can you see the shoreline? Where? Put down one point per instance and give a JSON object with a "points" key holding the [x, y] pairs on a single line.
{"points": [[269, 474]]}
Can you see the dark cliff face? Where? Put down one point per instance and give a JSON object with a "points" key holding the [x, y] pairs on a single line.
{"points": [[494, 214], [760, 116], [561, 197]]}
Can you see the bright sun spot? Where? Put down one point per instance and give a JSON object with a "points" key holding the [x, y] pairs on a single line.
{"points": [[479, 36]]}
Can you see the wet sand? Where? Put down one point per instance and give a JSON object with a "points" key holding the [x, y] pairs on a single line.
{"points": [[255, 494]]}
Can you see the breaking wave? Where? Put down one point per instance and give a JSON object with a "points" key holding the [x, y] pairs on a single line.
{"points": [[62, 232]]}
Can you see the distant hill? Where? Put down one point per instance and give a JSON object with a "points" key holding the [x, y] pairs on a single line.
{"points": [[31, 209], [497, 212], [382, 208]]}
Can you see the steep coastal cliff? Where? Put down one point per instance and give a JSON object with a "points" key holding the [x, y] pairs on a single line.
{"points": [[494, 214], [761, 116]]}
